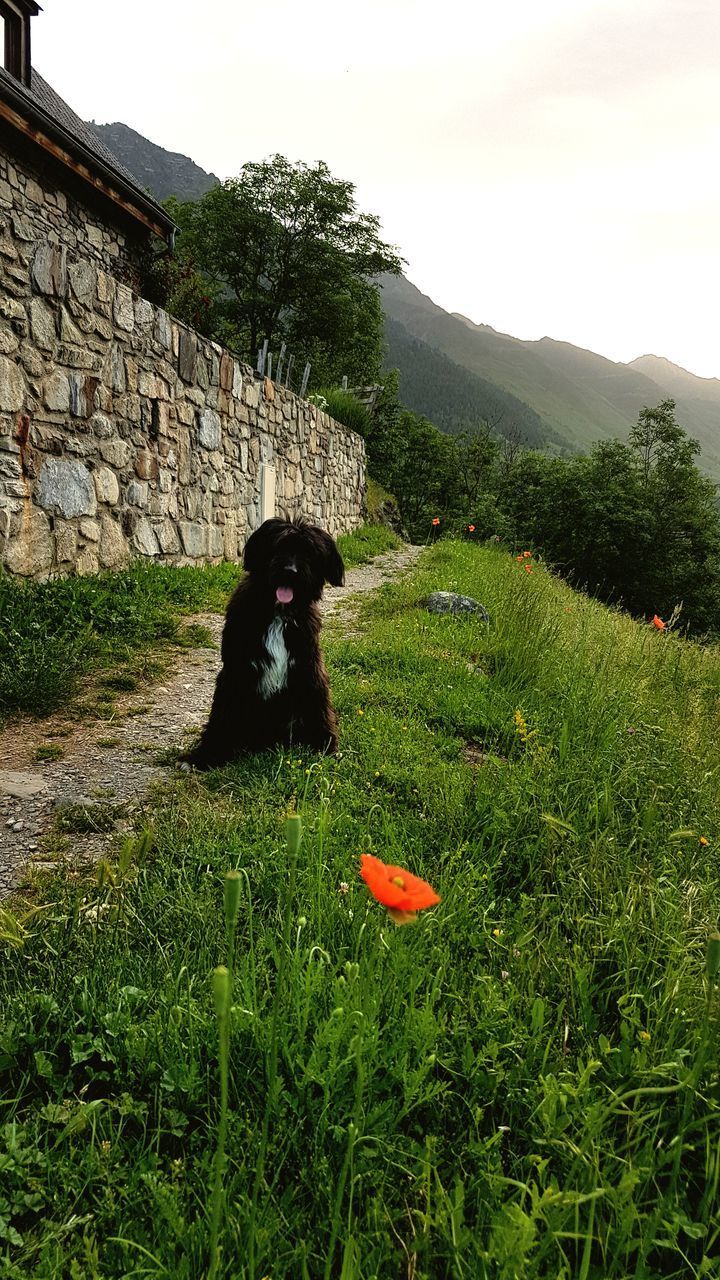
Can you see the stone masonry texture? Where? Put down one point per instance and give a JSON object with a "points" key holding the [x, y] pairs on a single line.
{"points": [[123, 433]]}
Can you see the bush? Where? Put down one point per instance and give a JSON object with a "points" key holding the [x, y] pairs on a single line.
{"points": [[345, 408]]}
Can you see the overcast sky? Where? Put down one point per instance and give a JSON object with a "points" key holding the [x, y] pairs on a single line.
{"points": [[545, 166]]}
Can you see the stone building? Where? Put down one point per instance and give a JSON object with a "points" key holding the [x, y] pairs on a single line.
{"points": [[122, 432]]}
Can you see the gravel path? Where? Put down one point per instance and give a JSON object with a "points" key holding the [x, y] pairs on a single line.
{"points": [[109, 765]]}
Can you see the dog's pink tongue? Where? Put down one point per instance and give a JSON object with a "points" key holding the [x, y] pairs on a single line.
{"points": [[284, 595]]}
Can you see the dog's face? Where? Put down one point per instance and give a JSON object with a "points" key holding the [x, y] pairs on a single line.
{"points": [[292, 561]]}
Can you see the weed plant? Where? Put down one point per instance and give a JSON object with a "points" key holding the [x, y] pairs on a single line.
{"points": [[521, 1086]]}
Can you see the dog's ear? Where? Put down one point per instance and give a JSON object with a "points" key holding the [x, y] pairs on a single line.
{"points": [[332, 562], [259, 546]]}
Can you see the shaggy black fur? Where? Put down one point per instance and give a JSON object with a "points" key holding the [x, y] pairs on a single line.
{"points": [[273, 687]]}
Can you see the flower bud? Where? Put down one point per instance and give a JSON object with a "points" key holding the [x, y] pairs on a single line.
{"points": [[231, 896], [222, 989], [712, 956], [293, 833]]}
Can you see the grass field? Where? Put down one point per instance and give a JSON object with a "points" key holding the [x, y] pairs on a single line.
{"points": [[524, 1083], [53, 633]]}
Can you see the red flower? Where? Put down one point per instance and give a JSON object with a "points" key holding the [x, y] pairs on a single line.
{"points": [[402, 893], [527, 568], [658, 622], [519, 559], [471, 528], [436, 520], [527, 554]]}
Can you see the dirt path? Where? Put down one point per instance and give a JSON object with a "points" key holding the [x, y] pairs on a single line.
{"points": [[107, 766]]}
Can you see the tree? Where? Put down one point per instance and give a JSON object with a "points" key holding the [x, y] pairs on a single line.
{"points": [[287, 256]]}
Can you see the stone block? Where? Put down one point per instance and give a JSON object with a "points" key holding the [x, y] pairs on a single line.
{"points": [[209, 430], [66, 488], [144, 538], [49, 268], [187, 355], [12, 386], [90, 529], [137, 493], [194, 539], [102, 426], [83, 280], [65, 542], [56, 392], [163, 330], [87, 562], [168, 538], [123, 310], [114, 551], [8, 341], [146, 465], [107, 488], [30, 553]]}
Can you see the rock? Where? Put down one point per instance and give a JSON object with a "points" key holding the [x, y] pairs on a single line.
{"points": [[31, 552], [65, 542], [42, 324], [145, 538], [56, 392], [187, 355], [146, 465], [123, 309], [12, 386], [90, 529], [449, 602], [107, 488], [83, 280], [66, 488], [169, 541], [49, 269], [209, 430], [116, 452], [194, 539], [21, 785], [114, 551]]}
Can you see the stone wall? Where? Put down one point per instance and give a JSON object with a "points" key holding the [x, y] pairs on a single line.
{"points": [[125, 434], [36, 207]]}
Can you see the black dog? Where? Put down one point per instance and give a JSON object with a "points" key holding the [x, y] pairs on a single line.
{"points": [[273, 687]]}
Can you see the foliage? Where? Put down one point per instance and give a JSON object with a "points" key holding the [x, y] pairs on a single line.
{"points": [[521, 1086], [288, 258], [365, 543], [344, 407], [52, 633]]}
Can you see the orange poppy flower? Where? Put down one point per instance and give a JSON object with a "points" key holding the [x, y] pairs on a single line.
{"points": [[527, 554], [527, 568], [519, 559], [436, 520], [471, 528], [402, 893], [658, 622]]}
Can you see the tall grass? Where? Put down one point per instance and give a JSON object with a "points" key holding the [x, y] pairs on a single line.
{"points": [[523, 1084]]}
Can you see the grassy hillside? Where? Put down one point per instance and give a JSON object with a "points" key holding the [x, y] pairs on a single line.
{"points": [[520, 1085]]}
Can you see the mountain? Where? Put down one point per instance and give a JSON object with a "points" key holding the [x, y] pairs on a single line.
{"points": [[163, 173], [579, 396], [454, 399]]}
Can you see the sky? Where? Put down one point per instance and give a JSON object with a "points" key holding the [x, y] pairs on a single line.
{"points": [[548, 167]]}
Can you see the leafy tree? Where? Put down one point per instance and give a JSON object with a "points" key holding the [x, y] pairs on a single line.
{"points": [[288, 257]]}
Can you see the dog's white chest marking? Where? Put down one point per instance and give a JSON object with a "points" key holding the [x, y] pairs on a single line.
{"points": [[275, 671]]}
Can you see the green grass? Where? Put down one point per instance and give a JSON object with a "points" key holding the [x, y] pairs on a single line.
{"points": [[521, 1085], [365, 543], [54, 633]]}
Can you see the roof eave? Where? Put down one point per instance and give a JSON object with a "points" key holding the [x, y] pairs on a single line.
{"points": [[36, 124]]}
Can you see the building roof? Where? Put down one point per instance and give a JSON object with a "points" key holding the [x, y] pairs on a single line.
{"points": [[43, 116]]}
